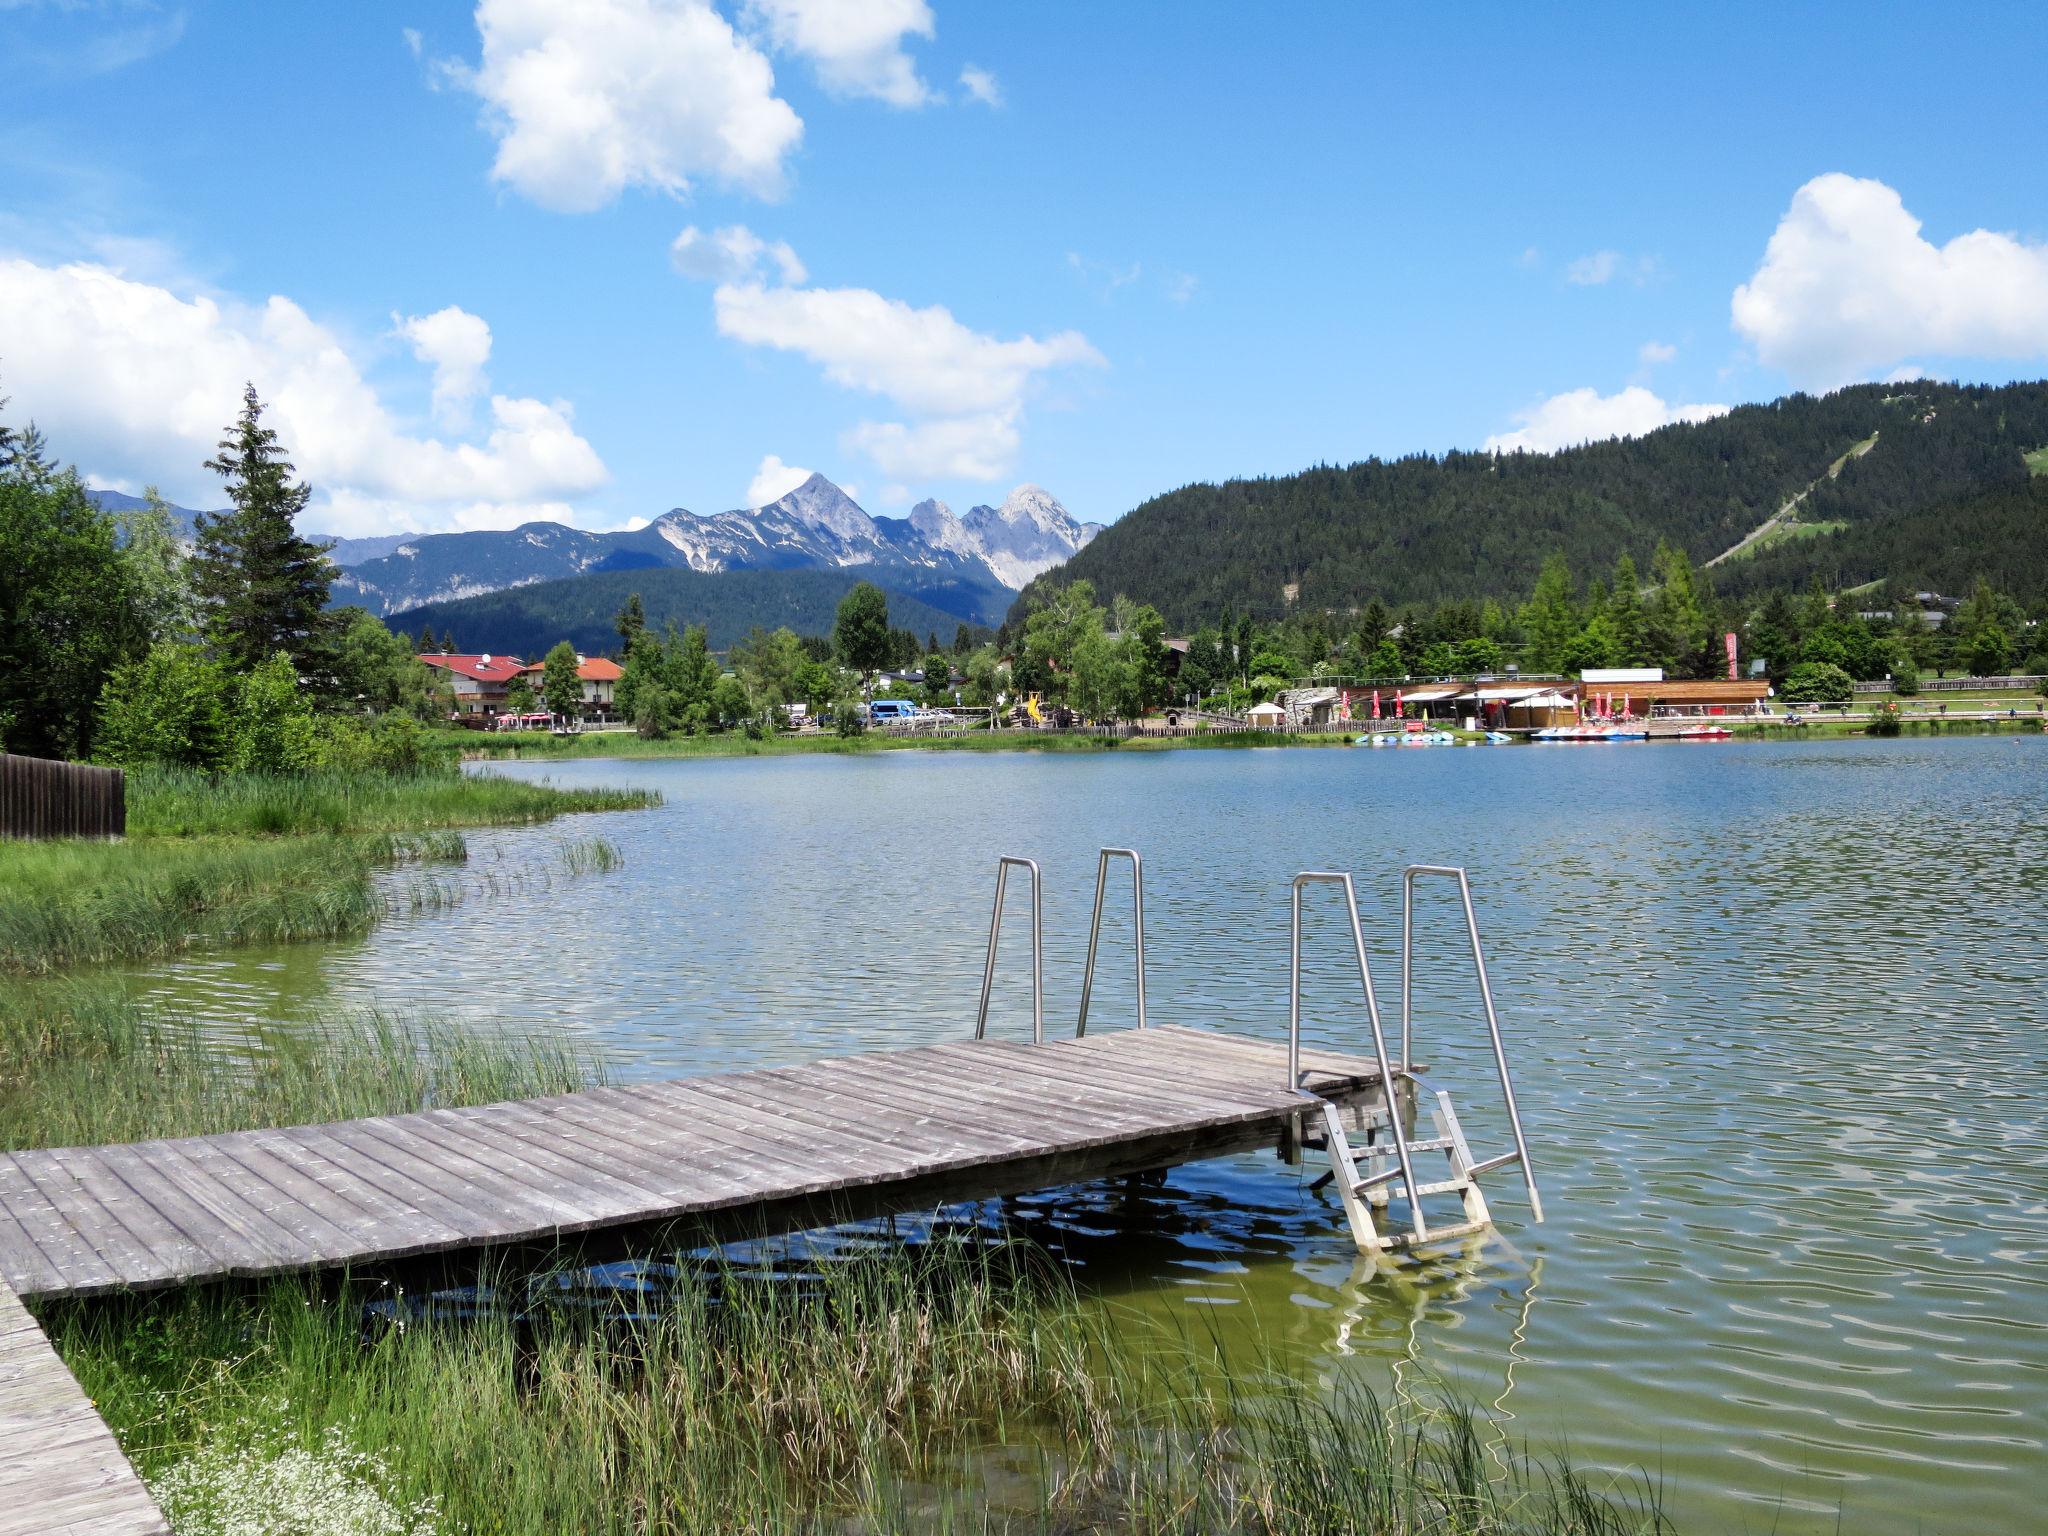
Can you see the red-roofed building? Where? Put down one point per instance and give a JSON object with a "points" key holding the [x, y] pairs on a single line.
{"points": [[599, 677], [479, 680]]}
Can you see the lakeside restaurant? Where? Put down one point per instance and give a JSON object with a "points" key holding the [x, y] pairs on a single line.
{"points": [[1511, 704]]}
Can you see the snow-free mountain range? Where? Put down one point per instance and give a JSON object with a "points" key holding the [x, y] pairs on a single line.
{"points": [[969, 566]]}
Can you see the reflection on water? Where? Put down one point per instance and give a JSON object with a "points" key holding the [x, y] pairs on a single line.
{"points": [[1775, 1014]]}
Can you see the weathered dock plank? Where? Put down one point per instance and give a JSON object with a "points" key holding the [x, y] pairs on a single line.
{"points": [[733, 1154], [61, 1471]]}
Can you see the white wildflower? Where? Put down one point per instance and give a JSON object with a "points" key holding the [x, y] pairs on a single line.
{"points": [[264, 1483]]}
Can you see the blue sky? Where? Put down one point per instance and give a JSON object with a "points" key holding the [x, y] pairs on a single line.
{"points": [[1174, 242]]}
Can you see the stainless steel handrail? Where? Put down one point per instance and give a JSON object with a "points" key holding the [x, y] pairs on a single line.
{"points": [[1372, 1013], [995, 928], [1095, 930], [1500, 1056]]}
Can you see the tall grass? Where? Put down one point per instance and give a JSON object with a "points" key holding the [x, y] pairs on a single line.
{"points": [[63, 904], [225, 859], [81, 1063], [173, 802], [955, 1386]]}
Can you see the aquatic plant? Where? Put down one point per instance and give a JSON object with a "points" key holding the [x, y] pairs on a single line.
{"points": [[81, 1063]]}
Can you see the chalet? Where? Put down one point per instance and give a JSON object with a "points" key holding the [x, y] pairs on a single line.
{"points": [[599, 677], [480, 681]]}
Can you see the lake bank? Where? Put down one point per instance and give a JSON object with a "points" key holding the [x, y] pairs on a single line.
{"points": [[215, 860]]}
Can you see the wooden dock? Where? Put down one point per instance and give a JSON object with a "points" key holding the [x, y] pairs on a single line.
{"points": [[61, 1474], [735, 1155]]}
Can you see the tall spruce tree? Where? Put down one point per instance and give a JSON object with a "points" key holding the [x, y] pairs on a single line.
{"points": [[264, 588]]}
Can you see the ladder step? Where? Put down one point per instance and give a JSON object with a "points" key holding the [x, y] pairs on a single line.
{"points": [[1441, 1187], [1386, 1148]]}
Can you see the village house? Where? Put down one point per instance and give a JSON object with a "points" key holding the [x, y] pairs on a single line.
{"points": [[480, 680], [599, 678]]}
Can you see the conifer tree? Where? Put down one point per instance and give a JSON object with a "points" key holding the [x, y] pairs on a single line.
{"points": [[264, 588]]}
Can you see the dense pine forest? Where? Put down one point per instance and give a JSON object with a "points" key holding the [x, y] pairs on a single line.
{"points": [[1916, 484]]}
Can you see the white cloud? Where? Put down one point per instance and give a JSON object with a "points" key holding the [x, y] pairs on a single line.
{"points": [[136, 382], [1181, 286], [981, 86], [456, 345], [589, 97], [1606, 266], [856, 46], [414, 43], [1849, 287], [959, 447], [1652, 353], [923, 359], [967, 388], [731, 255], [1585, 415], [773, 481]]}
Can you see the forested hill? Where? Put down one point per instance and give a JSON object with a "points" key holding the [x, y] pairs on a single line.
{"points": [[1470, 525], [525, 621]]}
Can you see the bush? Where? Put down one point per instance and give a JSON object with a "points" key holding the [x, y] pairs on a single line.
{"points": [[1885, 722], [1905, 681], [273, 723], [1816, 682], [170, 707]]}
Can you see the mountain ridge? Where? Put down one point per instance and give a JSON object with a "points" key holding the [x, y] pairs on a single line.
{"points": [[1473, 525]]}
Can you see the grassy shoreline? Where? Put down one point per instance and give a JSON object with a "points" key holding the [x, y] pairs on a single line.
{"points": [[225, 859], [625, 746]]}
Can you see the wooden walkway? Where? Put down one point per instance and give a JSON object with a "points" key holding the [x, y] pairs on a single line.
{"points": [[742, 1154], [61, 1474]]}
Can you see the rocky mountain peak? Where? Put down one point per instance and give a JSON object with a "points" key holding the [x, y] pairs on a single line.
{"points": [[818, 503]]}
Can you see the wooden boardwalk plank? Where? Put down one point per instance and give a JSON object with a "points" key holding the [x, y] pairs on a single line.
{"points": [[861, 1131], [61, 1470]]}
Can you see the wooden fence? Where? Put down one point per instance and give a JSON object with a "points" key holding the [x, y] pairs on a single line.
{"points": [[41, 798]]}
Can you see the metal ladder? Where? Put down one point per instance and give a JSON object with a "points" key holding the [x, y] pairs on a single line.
{"points": [[995, 932], [1367, 1175]]}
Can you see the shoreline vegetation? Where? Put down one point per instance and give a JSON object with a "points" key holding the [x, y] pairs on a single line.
{"points": [[954, 1383], [217, 859], [622, 745]]}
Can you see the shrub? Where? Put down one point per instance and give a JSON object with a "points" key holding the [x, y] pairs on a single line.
{"points": [[1905, 681], [170, 707], [1814, 682], [273, 725], [1885, 722]]}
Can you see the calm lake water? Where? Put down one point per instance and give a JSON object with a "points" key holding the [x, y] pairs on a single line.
{"points": [[1775, 1011]]}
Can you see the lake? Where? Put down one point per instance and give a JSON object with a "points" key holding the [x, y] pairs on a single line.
{"points": [[1774, 1009]]}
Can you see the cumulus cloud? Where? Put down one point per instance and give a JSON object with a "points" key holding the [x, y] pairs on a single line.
{"points": [[923, 359], [773, 481], [856, 46], [1585, 415], [981, 86], [731, 255], [1849, 288], [456, 345], [589, 97], [136, 382], [968, 388]]}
